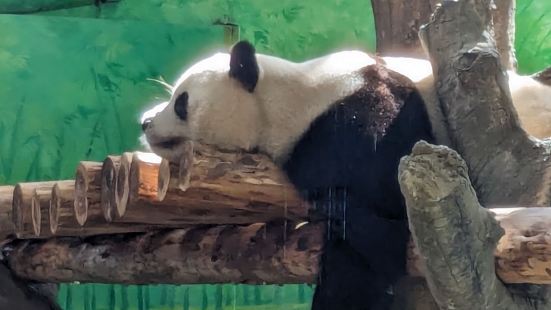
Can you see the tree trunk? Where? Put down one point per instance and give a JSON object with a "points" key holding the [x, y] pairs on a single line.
{"points": [[443, 210], [510, 168], [88, 181], [503, 15], [7, 227], [256, 253], [397, 23]]}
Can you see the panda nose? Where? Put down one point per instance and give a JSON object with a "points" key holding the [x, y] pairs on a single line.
{"points": [[146, 124]]}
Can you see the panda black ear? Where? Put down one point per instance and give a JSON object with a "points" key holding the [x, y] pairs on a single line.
{"points": [[243, 65]]}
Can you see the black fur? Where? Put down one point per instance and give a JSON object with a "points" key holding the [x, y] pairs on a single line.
{"points": [[346, 164], [243, 65], [180, 106]]}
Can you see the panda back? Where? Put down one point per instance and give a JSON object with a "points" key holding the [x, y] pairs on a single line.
{"points": [[358, 142]]}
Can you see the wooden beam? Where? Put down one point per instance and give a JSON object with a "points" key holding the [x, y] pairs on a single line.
{"points": [[253, 253], [256, 253]]}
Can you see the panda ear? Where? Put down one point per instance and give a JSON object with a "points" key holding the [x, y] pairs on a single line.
{"points": [[243, 65]]}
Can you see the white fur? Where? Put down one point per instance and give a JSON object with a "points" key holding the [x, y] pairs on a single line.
{"points": [[531, 99], [289, 96]]}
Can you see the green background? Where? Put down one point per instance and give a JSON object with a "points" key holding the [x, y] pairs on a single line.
{"points": [[74, 82]]}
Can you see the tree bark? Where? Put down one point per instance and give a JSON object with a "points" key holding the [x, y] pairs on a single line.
{"points": [[108, 196], [149, 177], [472, 89], [503, 15], [87, 200], [123, 187], [40, 206], [219, 188], [397, 24], [256, 253], [62, 220], [7, 227], [22, 207], [455, 236]]}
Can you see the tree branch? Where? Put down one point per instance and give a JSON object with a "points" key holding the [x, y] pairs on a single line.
{"points": [[510, 168], [455, 236]]}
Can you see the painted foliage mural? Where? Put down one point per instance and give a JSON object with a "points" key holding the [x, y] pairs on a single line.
{"points": [[73, 83]]}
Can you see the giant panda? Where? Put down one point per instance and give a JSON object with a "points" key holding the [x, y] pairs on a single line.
{"points": [[337, 126]]}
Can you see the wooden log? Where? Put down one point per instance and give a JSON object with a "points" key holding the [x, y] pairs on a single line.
{"points": [[22, 207], [63, 221], [62, 211], [123, 187], [40, 212], [7, 227], [108, 196], [397, 23], [87, 193], [255, 253], [223, 254], [503, 15], [456, 238], [149, 177], [473, 92], [225, 188], [524, 253]]}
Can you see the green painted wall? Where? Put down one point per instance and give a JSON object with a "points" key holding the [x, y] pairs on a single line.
{"points": [[73, 83]]}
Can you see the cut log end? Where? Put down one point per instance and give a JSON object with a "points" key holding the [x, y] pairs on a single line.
{"points": [[108, 194], [149, 177], [123, 188], [55, 205]]}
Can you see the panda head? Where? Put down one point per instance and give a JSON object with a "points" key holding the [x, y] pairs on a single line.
{"points": [[214, 101]]}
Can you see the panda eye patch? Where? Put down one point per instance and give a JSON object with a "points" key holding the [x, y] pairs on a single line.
{"points": [[180, 106]]}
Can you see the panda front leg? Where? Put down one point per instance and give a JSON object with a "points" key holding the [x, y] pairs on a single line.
{"points": [[360, 267]]}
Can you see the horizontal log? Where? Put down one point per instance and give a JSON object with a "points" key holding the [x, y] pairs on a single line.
{"points": [[123, 187], [7, 227], [218, 188], [149, 177], [40, 207], [22, 207], [62, 220], [108, 195], [88, 193], [524, 253], [255, 253]]}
